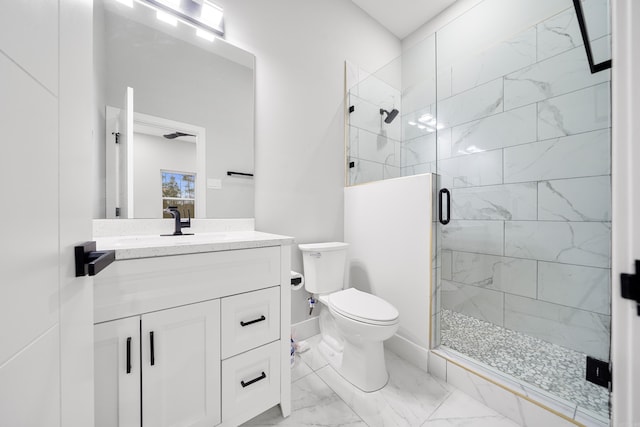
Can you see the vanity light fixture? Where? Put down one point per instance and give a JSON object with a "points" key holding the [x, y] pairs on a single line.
{"points": [[200, 14]]}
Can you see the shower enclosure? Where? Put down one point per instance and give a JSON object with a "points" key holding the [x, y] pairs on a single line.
{"points": [[501, 105]]}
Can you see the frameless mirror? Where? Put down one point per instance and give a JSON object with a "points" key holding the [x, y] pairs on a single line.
{"points": [[180, 82]]}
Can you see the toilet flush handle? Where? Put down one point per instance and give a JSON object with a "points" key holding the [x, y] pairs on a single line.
{"points": [[315, 255]]}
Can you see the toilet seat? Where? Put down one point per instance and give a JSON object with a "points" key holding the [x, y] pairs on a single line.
{"points": [[363, 307]]}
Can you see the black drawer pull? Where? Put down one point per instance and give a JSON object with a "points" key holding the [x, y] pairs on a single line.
{"points": [[251, 322], [255, 380], [128, 355], [153, 353]]}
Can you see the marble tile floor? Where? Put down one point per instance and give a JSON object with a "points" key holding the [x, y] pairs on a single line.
{"points": [[550, 367], [321, 397]]}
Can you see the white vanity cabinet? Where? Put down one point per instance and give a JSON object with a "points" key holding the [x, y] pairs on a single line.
{"points": [[198, 339], [170, 358]]}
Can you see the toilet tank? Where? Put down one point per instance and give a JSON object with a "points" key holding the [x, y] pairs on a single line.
{"points": [[324, 266]]}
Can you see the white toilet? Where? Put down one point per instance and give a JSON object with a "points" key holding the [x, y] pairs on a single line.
{"points": [[356, 323]]}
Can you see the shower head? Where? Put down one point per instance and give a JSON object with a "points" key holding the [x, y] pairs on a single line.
{"points": [[390, 115], [176, 135]]}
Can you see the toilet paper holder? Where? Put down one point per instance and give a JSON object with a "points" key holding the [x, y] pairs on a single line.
{"points": [[297, 280]]}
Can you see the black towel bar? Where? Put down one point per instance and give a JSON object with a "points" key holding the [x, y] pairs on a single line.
{"points": [[231, 173]]}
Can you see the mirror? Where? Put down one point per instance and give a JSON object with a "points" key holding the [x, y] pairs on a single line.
{"points": [[180, 82]]}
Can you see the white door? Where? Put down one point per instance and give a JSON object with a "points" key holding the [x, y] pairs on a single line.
{"points": [[181, 366], [117, 373], [119, 158], [46, 341], [626, 209]]}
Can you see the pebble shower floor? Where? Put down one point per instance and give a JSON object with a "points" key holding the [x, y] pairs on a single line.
{"points": [[550, 367]]}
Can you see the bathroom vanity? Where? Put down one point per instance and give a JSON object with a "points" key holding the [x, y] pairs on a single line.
{"points": [[192, 330]]}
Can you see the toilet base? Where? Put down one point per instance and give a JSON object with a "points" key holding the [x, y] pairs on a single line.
{"points": [[362, 364]]}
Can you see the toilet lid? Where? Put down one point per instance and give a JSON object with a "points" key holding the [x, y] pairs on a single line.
{"points": [[362, 306]]}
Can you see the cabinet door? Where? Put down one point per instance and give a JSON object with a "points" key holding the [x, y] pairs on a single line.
{"points": [[181, 366], [117, 373]]}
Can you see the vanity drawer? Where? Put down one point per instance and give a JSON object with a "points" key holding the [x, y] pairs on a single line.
{"points": [[250, 320], [250, 383], [134, 286]]}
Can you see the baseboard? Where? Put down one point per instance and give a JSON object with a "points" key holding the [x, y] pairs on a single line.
{"points": [[305, 329], [409, 351]]}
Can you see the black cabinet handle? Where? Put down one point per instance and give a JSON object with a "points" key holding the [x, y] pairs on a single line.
{"points": [[251, 322], [248, 383], [128, 355], [443, 192], [153, 356]]}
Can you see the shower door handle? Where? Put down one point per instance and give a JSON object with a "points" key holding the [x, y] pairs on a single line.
{"points": [[441, 195]]}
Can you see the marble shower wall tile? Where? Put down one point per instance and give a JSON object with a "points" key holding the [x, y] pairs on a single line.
{"points": [[365, 171], [579, 243], [418, 169], [586, 154], [390, 172], [561, 32], [444, 144], [580, 330], [501, 59], [379, 92], [581, 111], [601, 49], [474, 236], [418, 150], [558, 34], [508, 202], [419, 65], [419, 95], [472, 170], [483, 304], [586, 288], [446, 261], [410, 131], [501, 130], [579, 199], [474, 104], [558, 75], [511, 275], [598, 17], [374, 147]]}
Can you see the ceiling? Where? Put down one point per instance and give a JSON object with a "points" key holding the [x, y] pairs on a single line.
{"points": [[402, 17]]}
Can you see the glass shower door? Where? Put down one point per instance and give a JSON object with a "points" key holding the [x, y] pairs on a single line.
{"points": [[523, 276]]}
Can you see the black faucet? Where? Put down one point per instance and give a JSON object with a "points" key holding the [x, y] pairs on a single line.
{"points": [[179, 223]]}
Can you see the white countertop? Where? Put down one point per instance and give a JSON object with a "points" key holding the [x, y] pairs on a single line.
{"points": [[147, 246]]}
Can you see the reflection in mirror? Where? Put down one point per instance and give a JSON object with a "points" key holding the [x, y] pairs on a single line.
{"points": [[181, 78], [165, 171]]}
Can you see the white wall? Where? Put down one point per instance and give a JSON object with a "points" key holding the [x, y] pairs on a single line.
{"points": [[153, 154], [300, 49]]}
